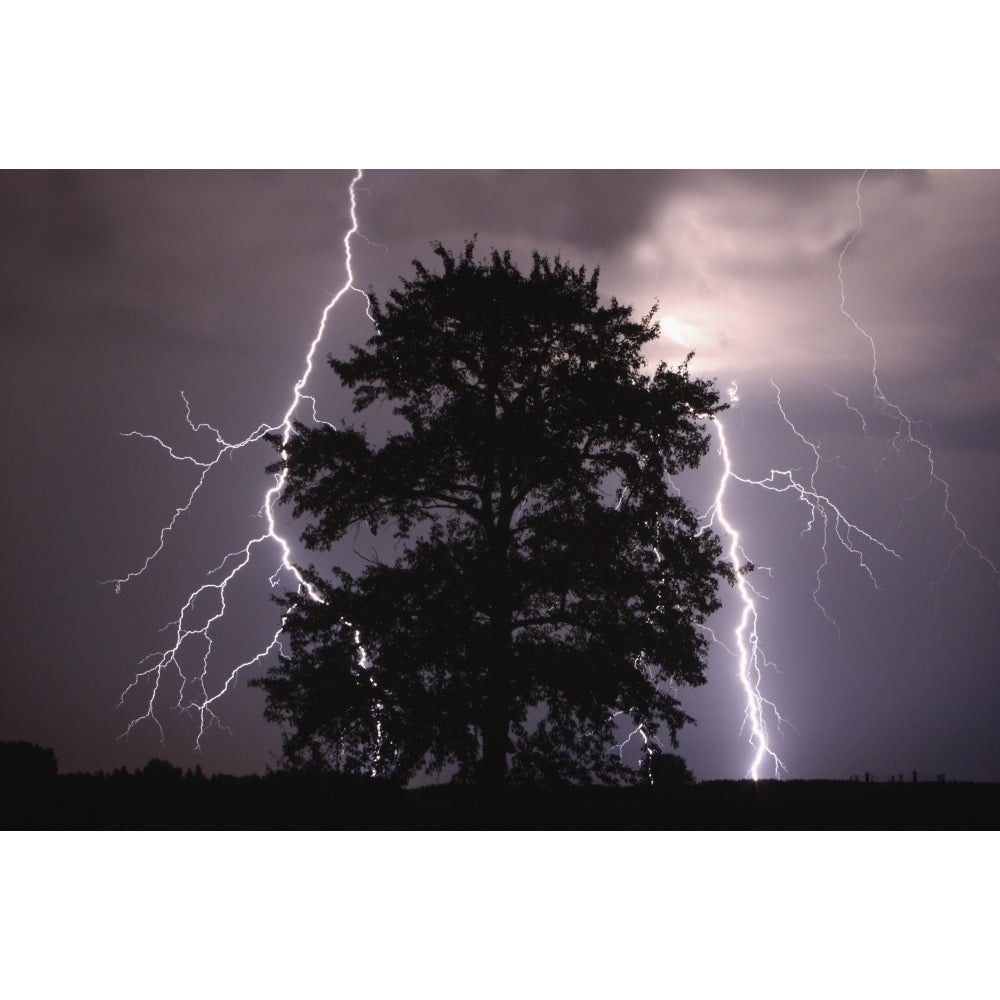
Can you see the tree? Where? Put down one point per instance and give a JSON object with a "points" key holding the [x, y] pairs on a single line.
{"points": [[21, 761], [665, 771], [161, 772], [548, 582]]}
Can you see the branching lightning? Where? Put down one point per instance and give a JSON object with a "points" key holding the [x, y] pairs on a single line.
{"points": [[905, 435], [749, 655], [828, 520], [825, 517], [194, 696]]}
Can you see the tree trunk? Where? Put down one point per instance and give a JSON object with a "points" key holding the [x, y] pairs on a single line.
{"points": [[495, 746], [496, 720]]}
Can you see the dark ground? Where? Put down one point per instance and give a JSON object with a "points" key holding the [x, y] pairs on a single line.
{"points": [[170, 801]]}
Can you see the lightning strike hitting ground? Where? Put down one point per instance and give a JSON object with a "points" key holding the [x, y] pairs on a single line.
{"points": [[194, 697], [824, 516], [750, 657]]}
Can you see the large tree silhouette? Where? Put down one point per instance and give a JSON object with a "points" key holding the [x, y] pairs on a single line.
{"points": [[546, 583]]}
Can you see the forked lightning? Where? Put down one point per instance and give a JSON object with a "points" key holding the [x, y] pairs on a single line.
{"points": [[194, 696]]}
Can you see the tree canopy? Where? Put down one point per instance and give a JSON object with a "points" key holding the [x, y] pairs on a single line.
{"points": [[546, 580]]}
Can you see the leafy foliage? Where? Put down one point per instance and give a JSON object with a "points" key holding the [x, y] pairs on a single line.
{"points": [[550, 581]]}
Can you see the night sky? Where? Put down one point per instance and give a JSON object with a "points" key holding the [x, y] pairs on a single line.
{"points": [[121, 289]]}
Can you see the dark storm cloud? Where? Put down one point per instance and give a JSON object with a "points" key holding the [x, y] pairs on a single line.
{"points": [[749, 264], [160, 245], [930, 262], [592, 209]]}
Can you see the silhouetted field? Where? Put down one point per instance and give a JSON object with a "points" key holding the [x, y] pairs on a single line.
{"points": [[169, 800]]}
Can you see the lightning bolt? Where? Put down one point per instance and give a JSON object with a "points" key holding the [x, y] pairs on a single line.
{"points": [[831, 524], [905, 435], [825, 517], [193, 624], [749, 655]]}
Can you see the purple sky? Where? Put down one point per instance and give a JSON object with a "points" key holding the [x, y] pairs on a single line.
{"points": [[121, 289]]}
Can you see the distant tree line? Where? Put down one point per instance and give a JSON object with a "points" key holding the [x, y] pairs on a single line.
{"points": [[163, 796], [23, 761]]}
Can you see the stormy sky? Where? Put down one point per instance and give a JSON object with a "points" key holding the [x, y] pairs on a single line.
{"points": [[121, 289]]}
